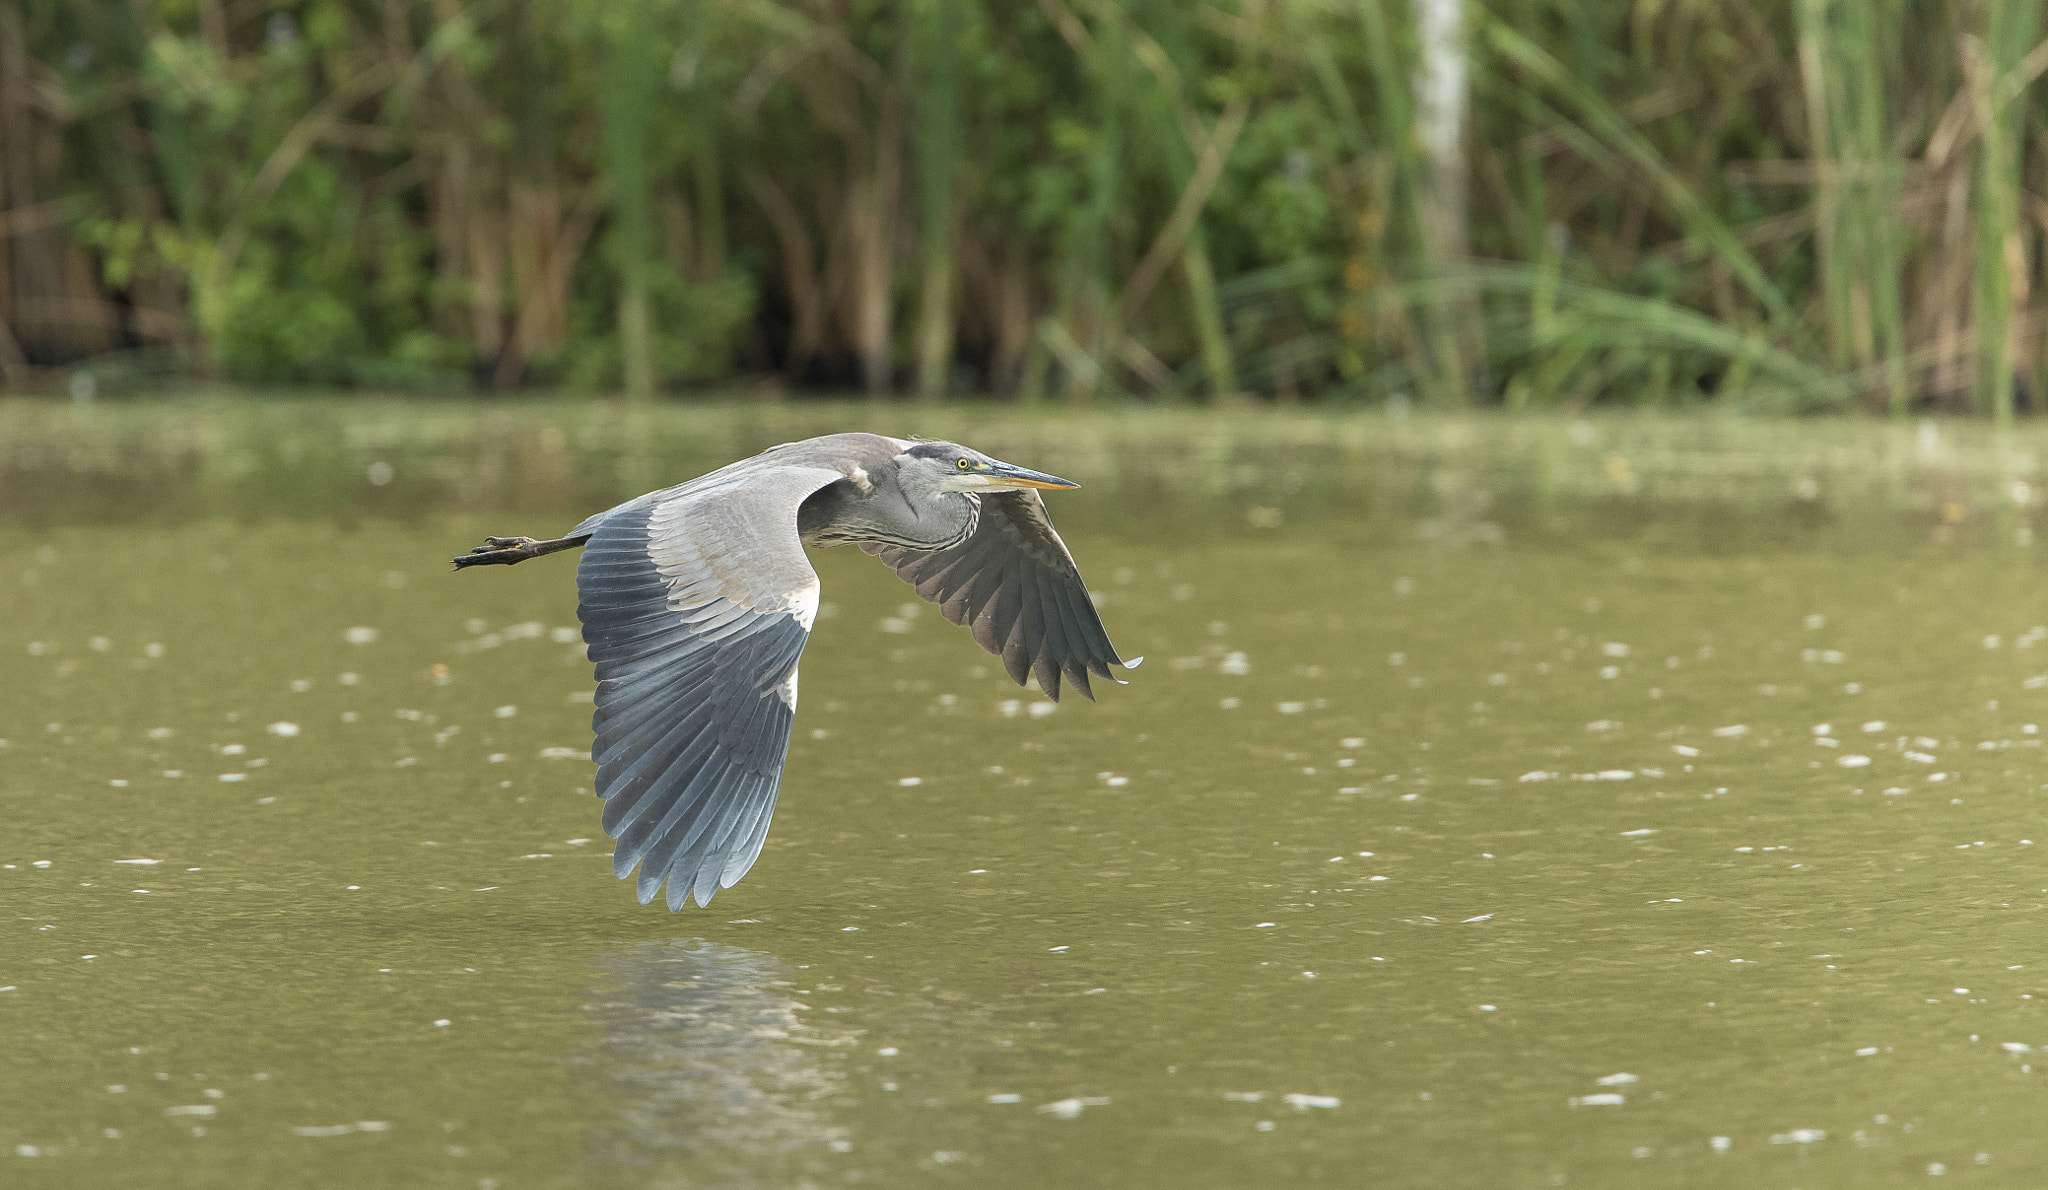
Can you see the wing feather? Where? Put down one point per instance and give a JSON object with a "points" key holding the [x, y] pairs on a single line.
{"points": [[1013, 584], [696, 602]]}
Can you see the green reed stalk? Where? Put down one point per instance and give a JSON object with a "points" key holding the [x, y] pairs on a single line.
{"points": [[1399, 162], [1171, 117], [938, 146], [2001, 264], [627, 100], [1856, 186]]}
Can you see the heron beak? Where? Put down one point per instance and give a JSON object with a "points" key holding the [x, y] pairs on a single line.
{"points": [[1007, 475]]}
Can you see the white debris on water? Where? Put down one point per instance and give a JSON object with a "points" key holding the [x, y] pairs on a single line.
{"points": [[340, 1129], [1041, 709], [1616, 1080], [1874, 726], [283, 729], [1799, 1136], [1685, 750], [1068, 1109], [1645, 832], [1853, 761], [1005, 1097], [1733, 731], [1301, 1102], [1603, 1099], [360, 636], [1234, 664], [140, 863], [192, 1109], [562, 753], [909, 782], [506, 711]]}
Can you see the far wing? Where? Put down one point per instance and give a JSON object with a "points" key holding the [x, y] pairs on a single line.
{"points": [[696, 602], [1015, 585]]}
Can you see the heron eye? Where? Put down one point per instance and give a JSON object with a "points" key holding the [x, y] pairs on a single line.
{"points": [[964, 464]]}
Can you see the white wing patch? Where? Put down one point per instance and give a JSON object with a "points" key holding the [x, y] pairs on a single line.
{"points": [[787, 690], [803, 604]]}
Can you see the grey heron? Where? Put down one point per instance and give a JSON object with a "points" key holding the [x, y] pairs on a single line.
{"points": [[696, 601]]}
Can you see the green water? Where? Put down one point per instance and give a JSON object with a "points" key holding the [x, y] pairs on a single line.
{"points": [[1487, 813]]}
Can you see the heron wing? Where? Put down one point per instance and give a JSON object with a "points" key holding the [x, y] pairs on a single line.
{"points": [[696, 602], [1015, 586]]}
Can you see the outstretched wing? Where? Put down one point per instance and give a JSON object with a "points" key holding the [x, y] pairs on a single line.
{"points": [[696, 602], [1013, 583]]}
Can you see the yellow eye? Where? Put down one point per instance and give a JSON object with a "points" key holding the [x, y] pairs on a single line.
{"points": [[964, 464]]}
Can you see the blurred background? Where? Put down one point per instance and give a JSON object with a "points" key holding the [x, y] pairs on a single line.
{"points": [[1564, 760], [1770, 204]]}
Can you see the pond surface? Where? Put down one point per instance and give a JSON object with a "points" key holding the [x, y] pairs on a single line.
{"points": [[1461, 829]]}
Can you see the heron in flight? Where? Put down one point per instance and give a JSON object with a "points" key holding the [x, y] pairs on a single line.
{"points": [[697, 599]]}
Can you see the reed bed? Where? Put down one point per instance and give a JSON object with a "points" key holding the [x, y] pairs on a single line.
{"points": [[1772, 205]]}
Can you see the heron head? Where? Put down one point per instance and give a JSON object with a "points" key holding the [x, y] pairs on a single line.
{"points": [[955, 468]]}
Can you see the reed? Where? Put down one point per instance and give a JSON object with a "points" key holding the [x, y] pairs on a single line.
{"points": [[628, 95], [1783, 204]]}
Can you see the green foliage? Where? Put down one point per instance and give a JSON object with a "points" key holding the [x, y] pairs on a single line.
{"points": [[1786, 203]]}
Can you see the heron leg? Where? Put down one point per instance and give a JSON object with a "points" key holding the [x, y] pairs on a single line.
{"points": [[507, 551]]}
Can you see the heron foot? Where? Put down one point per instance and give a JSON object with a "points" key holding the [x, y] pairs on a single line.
{"points": [[507, 551]]}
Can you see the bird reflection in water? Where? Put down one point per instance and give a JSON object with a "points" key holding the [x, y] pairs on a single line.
{"points": [[721, 1077]]}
